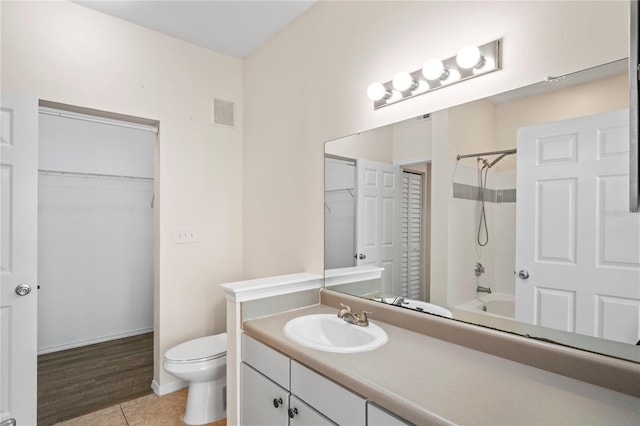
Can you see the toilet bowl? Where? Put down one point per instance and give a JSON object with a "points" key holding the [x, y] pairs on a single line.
{"points": [[203, 364]]}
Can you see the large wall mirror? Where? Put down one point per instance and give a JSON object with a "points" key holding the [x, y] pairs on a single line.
{"points": [[509, 212]]}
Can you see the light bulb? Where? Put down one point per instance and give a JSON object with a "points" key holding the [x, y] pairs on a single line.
{"points": [[433, 69], [376, 91], [451, 77], [403, 81], [394, 97], [423, 86], [488, 64], [469, 57]]}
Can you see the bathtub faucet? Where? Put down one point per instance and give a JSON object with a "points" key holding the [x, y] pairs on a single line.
{"points": [[481, 289], [399, 301]]}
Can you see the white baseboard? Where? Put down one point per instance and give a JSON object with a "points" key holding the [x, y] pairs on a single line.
{"points": [[168, 387], [93, 340]]}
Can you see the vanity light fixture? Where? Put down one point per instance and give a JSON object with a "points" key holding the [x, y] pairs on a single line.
{"points": [[471, 61]]}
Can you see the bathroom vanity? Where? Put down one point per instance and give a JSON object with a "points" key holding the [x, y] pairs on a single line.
{"points": [[414, 378], [274, 388]]}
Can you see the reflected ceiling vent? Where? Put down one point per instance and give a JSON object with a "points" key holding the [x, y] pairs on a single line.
{"points": [[222, 113]]}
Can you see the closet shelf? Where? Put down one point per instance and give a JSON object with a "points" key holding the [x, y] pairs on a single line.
{"points": [[349, 190], [92, 175]]}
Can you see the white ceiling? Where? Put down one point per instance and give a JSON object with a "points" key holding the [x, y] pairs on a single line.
{"points": [[235, 27]]}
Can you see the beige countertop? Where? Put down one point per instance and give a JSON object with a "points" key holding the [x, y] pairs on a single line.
{"points": [[428, 381]]}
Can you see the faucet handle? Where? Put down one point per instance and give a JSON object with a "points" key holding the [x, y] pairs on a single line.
{"points": [[362, 320], [345, 309]]}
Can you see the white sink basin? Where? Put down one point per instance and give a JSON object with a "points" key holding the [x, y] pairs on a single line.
{"points": [[327, 332]]}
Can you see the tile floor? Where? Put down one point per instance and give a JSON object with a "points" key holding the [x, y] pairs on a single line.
{"points": [[149, 410]]}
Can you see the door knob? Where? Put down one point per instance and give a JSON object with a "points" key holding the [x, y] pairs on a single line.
{"points": [[523, 274], [277, 402], [23, 289], [362, 256]]}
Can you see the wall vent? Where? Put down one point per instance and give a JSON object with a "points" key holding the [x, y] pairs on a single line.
{"points": [[222, 112], [423, 117]]}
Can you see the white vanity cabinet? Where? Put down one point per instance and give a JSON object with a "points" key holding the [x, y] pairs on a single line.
{"points": [[274, 390], [265, 403]]}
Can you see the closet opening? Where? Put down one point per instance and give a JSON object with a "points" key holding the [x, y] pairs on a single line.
{"points": [[96, 232]]}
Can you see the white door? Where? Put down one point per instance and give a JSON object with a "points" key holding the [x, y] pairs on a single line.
{"points": [[377, 210], [18, 263], [575, 236]]}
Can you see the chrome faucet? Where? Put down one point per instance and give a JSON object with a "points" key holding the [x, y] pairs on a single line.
{"points": [[481, 289], [399, 301], [361, 320]]}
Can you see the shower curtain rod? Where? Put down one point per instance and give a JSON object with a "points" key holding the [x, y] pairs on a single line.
{"points": [[504, 151], [95, 175]]}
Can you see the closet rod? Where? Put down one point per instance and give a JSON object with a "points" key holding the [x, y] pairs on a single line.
{"points": [[504, 151], [338, 190], [56, 113], [96, 175]]}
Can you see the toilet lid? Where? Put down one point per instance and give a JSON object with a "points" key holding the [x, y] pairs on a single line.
{"points": [[201, 349]]}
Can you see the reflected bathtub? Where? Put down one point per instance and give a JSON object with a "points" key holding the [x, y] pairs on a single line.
{"points": [[418, 305], [496, 305]]}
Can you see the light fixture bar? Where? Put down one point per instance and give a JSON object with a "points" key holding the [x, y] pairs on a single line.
{"points": [[453, 73]]}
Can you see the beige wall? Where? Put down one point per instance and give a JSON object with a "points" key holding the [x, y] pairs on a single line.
{"points": [[63, 52], [608, 94], [307, 85], [412, 140], [375, 145]]}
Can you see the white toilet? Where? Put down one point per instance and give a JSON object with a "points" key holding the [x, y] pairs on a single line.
{"points": [[203, 363]]}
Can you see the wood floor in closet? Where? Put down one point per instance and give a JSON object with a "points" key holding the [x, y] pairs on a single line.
{"points": [[82, 380]]}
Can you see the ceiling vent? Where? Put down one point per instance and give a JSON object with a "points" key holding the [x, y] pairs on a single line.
{"points": [[222, 113]]}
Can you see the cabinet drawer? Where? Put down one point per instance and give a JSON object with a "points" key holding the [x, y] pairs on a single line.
{"points": [[268, 361], [331, 399], [378, 417]]}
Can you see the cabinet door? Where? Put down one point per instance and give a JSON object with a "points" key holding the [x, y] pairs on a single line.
{"points": [[379, 417], [262, 402], [302, 415]]}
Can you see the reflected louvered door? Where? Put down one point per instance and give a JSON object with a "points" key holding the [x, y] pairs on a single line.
{"points": [[411, 235]]}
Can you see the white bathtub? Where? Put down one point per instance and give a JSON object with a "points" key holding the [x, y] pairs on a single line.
{"points": [[496, 305], [418, 305]]}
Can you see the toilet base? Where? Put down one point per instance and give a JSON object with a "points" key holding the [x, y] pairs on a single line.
{"points": [[206, 402]]}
